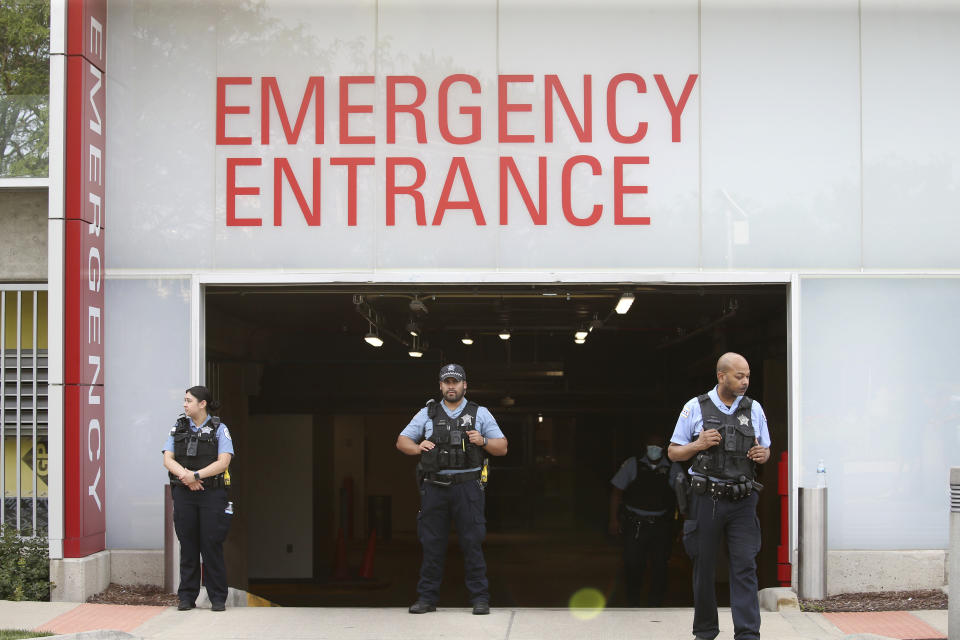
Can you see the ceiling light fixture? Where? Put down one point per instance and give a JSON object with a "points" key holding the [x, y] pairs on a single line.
{"points": [[539, 417], [373, 338], [581, 335], [466, 339], [580, 340], [413, 329], [624, 303], [416, 351], [505, 334]]}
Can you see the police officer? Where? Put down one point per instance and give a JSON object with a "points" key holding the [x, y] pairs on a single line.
{"points": [[725, 434], [642, 510], [196, 454], [452, 438]]}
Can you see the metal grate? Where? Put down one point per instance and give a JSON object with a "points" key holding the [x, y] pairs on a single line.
{"points": [[23, 407]]}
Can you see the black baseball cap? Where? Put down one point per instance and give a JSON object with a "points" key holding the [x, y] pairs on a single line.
{"points": [[453, 371]]}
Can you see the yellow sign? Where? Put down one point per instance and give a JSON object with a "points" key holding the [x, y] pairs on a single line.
{"points": [[10, 465]]}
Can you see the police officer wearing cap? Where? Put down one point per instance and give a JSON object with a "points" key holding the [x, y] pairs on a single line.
{"points": [[725, 435], [452, 438], [642, 512], [196, 455]]}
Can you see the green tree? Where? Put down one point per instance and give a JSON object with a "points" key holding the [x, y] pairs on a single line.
{"points": [[24, 87]]}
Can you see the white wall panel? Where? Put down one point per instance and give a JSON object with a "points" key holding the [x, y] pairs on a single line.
{"points": [[293, 41], [431, 41], [160, 105], [911, 133], [781, 184], [146, 353], [603, 40], [880, 405]]}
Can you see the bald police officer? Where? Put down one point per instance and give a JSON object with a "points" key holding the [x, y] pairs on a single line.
{"points": [[452, 437], [726, 435]]}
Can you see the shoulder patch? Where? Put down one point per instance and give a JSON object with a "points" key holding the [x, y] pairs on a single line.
{"points": [[226, 432], [173, 429], [685, 413]]}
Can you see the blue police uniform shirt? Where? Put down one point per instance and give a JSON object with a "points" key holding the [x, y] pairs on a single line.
{"points": [[421, 427], [224, 441], [690, 422], [627, 473]]}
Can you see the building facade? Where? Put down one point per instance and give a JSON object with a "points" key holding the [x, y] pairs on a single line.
{"points": [[201, 152]]}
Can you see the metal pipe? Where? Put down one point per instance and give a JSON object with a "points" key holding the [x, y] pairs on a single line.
{"points": [[19, 375], [3, 403], [953, 603], [36, 382], [812, 552]]}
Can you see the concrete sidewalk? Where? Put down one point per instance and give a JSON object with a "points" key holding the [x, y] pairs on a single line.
{"points": [[262, 623]]}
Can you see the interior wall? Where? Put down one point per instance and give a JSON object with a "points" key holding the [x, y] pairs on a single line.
{"points": [[389, 472], [279, 503], [348, 470]]}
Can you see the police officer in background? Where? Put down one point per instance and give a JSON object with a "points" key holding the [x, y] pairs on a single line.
{"points": [[725, 433], [196, 454], [452, 438], [642, 510]]}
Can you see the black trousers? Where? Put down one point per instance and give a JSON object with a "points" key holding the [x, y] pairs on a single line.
{"points": [[464, 505], [710, 520], [201, 525], [646, 546]]}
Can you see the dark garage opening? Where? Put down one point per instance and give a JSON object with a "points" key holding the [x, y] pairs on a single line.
{"points": [[315, 410]]}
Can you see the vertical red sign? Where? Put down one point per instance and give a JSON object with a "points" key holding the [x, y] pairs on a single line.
{"points": [[83, 438]]}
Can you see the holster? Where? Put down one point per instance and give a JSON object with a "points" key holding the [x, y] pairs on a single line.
{"points": [[681, 486], [419, 475]]}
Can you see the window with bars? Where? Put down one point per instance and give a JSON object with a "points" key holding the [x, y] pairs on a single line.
{"points": [[23, 407]]}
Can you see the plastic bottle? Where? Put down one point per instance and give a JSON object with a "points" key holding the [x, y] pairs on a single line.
{"points": [[229, 508], [821, 475]]}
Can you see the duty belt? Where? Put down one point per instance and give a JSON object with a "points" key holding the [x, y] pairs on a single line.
{"points": [[213, 482], [636, 518], [447, 479], [729, 490]]}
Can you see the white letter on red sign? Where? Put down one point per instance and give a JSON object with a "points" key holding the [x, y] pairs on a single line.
{"points": [[91, 397], [93, 270], [95, 126], [92, 490], [94, 228], [96, 165], [93, 325], [96, 37]]}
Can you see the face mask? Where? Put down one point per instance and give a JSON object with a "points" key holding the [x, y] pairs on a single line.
{"points": [[654, 452]]}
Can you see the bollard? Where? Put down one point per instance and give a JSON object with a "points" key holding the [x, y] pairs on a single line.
{"points": [[171, 546], [812, 552], [953, 577]]}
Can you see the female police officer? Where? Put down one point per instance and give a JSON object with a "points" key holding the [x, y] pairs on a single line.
{"points": [[197, 452]]}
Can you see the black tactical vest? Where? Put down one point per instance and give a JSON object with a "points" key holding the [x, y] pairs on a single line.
{"points": [[454, 449], [650, 491], [727, 460], [195, 450]]}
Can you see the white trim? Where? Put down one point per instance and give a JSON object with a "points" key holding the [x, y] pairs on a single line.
{"points": [[794, 415], [58, 28], [24, 183], [56, 236], [55, 471], [197, 355], [402, 276], [39, 286], [585, 276]]}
